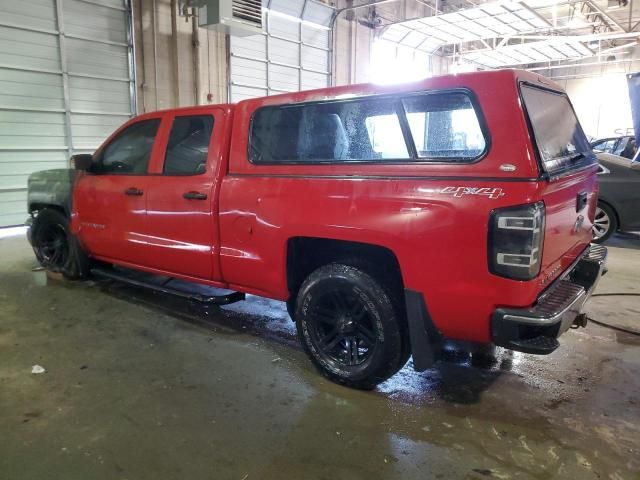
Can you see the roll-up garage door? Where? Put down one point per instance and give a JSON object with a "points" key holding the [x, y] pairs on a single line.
{"points": [[292, 55], [66, 82]]}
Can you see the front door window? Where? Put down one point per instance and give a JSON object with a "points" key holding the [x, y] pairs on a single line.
{"points": [[130, 150]]}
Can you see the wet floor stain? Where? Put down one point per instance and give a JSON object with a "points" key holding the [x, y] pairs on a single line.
{"points": [[138, 385]]}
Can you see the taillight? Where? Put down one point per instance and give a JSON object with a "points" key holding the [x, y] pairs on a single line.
{"points": [[515, 241]]}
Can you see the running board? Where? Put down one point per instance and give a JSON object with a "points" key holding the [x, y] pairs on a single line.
{"points": [[193, 297]]}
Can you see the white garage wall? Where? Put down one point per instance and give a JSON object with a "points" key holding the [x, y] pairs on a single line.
{"points": [[293, 54], [599, 91], [65, 82], [602, 104], [179, 65]]}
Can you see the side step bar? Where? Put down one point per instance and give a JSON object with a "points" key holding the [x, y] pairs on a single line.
{"points": [[162, 288]]}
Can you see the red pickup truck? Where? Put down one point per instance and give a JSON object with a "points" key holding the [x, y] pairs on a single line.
{"points": [[388, 218]]}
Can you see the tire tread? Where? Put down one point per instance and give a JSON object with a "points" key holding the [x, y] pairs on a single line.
{"points": [[393, 360]]}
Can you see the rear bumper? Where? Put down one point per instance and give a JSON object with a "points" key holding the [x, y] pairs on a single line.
{"points": [[536, 329]]}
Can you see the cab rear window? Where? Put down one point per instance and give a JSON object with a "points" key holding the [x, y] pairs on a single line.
{"points": [[561, 143], [418, 127]]}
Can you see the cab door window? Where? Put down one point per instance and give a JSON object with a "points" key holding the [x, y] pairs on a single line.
{"points": [[188, 145], [129, 152]]}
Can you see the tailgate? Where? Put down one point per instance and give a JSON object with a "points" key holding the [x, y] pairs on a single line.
{"points": [[570, 206], [568, 165]]}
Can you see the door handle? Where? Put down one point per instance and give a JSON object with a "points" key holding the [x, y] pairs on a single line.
{"points": [[133, 191], [195, 196]]}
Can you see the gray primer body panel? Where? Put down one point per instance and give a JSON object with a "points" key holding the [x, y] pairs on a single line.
{"points": [[51, 187]]}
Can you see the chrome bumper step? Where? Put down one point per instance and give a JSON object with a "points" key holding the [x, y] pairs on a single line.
{"points": [[535, 329]]}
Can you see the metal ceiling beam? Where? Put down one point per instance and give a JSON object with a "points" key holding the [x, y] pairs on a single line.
{"points": [[502, 40], [604, 15], [563, 38], [588, 64], [534, 46], [337, 12], [580, 38], [619, 47], [442, 36]]}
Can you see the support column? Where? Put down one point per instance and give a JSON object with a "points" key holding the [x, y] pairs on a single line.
{"points": [[65, 76]]}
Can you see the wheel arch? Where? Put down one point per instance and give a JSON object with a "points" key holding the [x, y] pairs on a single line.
{"points": [[38, 206], [306, 254]]}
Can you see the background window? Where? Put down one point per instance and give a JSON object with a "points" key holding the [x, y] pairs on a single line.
{"points": [[188, 145], [129, 152], [605, 145], [365, 130], [444, 126]]}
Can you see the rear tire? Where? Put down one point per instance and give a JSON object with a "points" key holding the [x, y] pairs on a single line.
{"points": [[56, 248], [350, 326], [605, 223]]}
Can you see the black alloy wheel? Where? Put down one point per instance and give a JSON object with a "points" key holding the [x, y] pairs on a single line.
{"points": [[342, 328], [56, 248], [352, 325], [52, 249]]}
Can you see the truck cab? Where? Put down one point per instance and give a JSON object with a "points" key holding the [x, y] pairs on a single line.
{"points": [[388, 218]]}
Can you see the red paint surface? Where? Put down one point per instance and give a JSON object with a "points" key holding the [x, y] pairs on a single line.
{"points": [[238, 238]]}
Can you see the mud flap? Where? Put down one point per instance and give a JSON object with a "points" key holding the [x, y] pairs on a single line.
{"points": [[423, 334]]}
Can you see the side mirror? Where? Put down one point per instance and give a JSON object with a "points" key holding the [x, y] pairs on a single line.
{"points": [[82, 161]]}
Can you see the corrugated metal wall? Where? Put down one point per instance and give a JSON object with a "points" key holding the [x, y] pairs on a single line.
{"points": [[66, 81], [293, 54]]}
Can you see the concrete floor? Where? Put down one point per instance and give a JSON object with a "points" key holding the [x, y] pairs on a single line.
{"points": [[142, 387]]}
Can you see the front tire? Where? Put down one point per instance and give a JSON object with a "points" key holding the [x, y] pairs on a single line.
{"points": [[605, 223], [350, 326], [56, 248]]}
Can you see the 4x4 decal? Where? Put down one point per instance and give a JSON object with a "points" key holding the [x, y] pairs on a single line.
{"points": [[458, 192]]}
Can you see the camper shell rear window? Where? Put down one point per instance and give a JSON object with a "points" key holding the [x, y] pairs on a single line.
{"points": [[425, 127], [561, 144]]}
